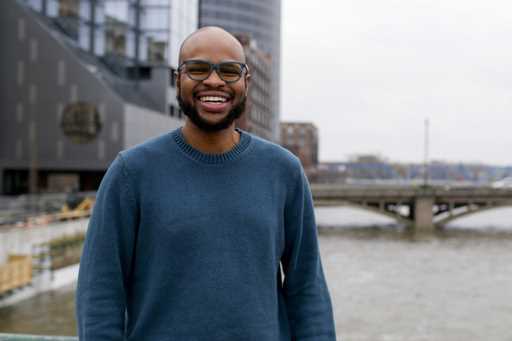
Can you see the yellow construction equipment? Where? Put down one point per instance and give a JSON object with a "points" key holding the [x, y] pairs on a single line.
{"points": [[76, 207]]}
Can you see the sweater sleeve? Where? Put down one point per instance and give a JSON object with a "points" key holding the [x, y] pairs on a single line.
{"points": [[306, 294], [106, 259]]}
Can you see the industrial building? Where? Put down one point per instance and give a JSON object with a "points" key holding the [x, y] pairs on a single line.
{"points": [[82, 80]]}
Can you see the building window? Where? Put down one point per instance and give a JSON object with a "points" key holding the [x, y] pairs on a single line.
{"points": [[32, 94], [69, 8], [52, 8], [32, 131], [36, 5], [157, 50], [74, 93], [116, 36], [33, 50], [68, 18], [81, 33], [21, 72], [61, 73], [19, 112], [21, 30], [60, 109]]}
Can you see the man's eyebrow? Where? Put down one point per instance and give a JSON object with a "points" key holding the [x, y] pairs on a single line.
{"points": [[209, 61]]}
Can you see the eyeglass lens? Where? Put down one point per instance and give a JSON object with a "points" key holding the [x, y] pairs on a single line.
{"points": [[228, 71]]}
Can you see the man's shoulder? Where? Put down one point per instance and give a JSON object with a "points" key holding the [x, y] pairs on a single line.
{"points": [[275, 154]]}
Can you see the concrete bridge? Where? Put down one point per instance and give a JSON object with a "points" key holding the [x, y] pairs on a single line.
{"points": [[419, 208]]}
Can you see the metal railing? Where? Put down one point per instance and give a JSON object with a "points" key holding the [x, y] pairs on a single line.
{"points": [[21, 337]]}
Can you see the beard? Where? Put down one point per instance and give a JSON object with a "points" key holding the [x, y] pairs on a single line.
{"points": [[197, 120]]}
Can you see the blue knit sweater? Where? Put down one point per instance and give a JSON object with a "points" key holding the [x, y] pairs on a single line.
{"points": [[187, 246]]}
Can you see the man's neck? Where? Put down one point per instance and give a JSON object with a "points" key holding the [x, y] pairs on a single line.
{"points": [[217, 142]]}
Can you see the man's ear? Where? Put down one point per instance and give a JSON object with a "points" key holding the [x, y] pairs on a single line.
{"points": [[247, 82], [178, 81]]}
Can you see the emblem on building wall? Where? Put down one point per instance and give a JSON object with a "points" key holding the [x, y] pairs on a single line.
{"points": [[81, 122]]}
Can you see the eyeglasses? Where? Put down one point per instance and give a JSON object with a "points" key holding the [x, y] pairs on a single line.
{"points": [[199, 70]]}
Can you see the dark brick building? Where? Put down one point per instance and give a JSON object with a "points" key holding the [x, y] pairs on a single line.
{"points": [[301, 139]]}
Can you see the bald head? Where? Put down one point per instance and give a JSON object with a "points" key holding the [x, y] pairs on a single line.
{"points": [[211, 35]]}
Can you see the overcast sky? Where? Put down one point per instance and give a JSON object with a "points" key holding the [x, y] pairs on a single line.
{"points": [[368, 73]]}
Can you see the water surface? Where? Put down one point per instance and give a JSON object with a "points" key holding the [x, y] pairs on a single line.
{"points": [[386, 284]]}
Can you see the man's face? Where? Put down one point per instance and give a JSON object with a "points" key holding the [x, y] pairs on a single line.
{"points": [[212, 104]]}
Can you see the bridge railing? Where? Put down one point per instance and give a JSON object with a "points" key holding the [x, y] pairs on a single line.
{"points": [[21, 337]]}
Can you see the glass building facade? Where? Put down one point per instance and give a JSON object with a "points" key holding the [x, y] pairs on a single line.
{"points": [[127, 36], [262, 21], [126, 31]]}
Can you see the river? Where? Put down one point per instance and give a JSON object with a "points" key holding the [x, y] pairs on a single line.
{"points": [[386, 285]]}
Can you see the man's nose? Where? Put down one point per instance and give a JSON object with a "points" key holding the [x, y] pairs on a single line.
{"points": [[214, 79]]}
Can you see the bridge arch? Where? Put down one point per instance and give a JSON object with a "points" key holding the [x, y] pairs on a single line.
{"points": [[442, 222], [373, 209]]}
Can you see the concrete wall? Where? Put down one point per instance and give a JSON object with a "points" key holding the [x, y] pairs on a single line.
{"points": [[142, 123], [156, 88], [21, 240]]}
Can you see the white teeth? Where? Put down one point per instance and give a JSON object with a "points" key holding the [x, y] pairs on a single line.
{"points": [[212, 99]]}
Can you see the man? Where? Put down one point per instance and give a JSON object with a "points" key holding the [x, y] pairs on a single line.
{"points": [[190, 229]]}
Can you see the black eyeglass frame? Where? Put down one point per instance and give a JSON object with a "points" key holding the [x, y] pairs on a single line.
{"points": [[213, 66]]}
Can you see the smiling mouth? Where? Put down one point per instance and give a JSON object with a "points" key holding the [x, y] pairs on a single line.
{"points": [[213, 99], [213, 103]]}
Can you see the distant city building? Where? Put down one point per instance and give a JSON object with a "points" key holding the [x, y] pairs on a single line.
{"points": [[330, 172], [369, 166], [88, 78], [262, 21], [369, 169], [259, 117], [302, 140], [367, 158]]}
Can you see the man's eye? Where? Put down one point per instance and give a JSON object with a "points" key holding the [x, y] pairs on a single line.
{"points": [[198, 69], [231, 69]]}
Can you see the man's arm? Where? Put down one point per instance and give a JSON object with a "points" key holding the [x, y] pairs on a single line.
{"points": [[106, 259], [307, 297]]}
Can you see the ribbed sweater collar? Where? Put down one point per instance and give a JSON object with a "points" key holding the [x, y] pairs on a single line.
{"points": [[197, 155]]}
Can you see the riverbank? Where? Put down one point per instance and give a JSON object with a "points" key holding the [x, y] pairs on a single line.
{"points": [[53, 280], [48, 255]]}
